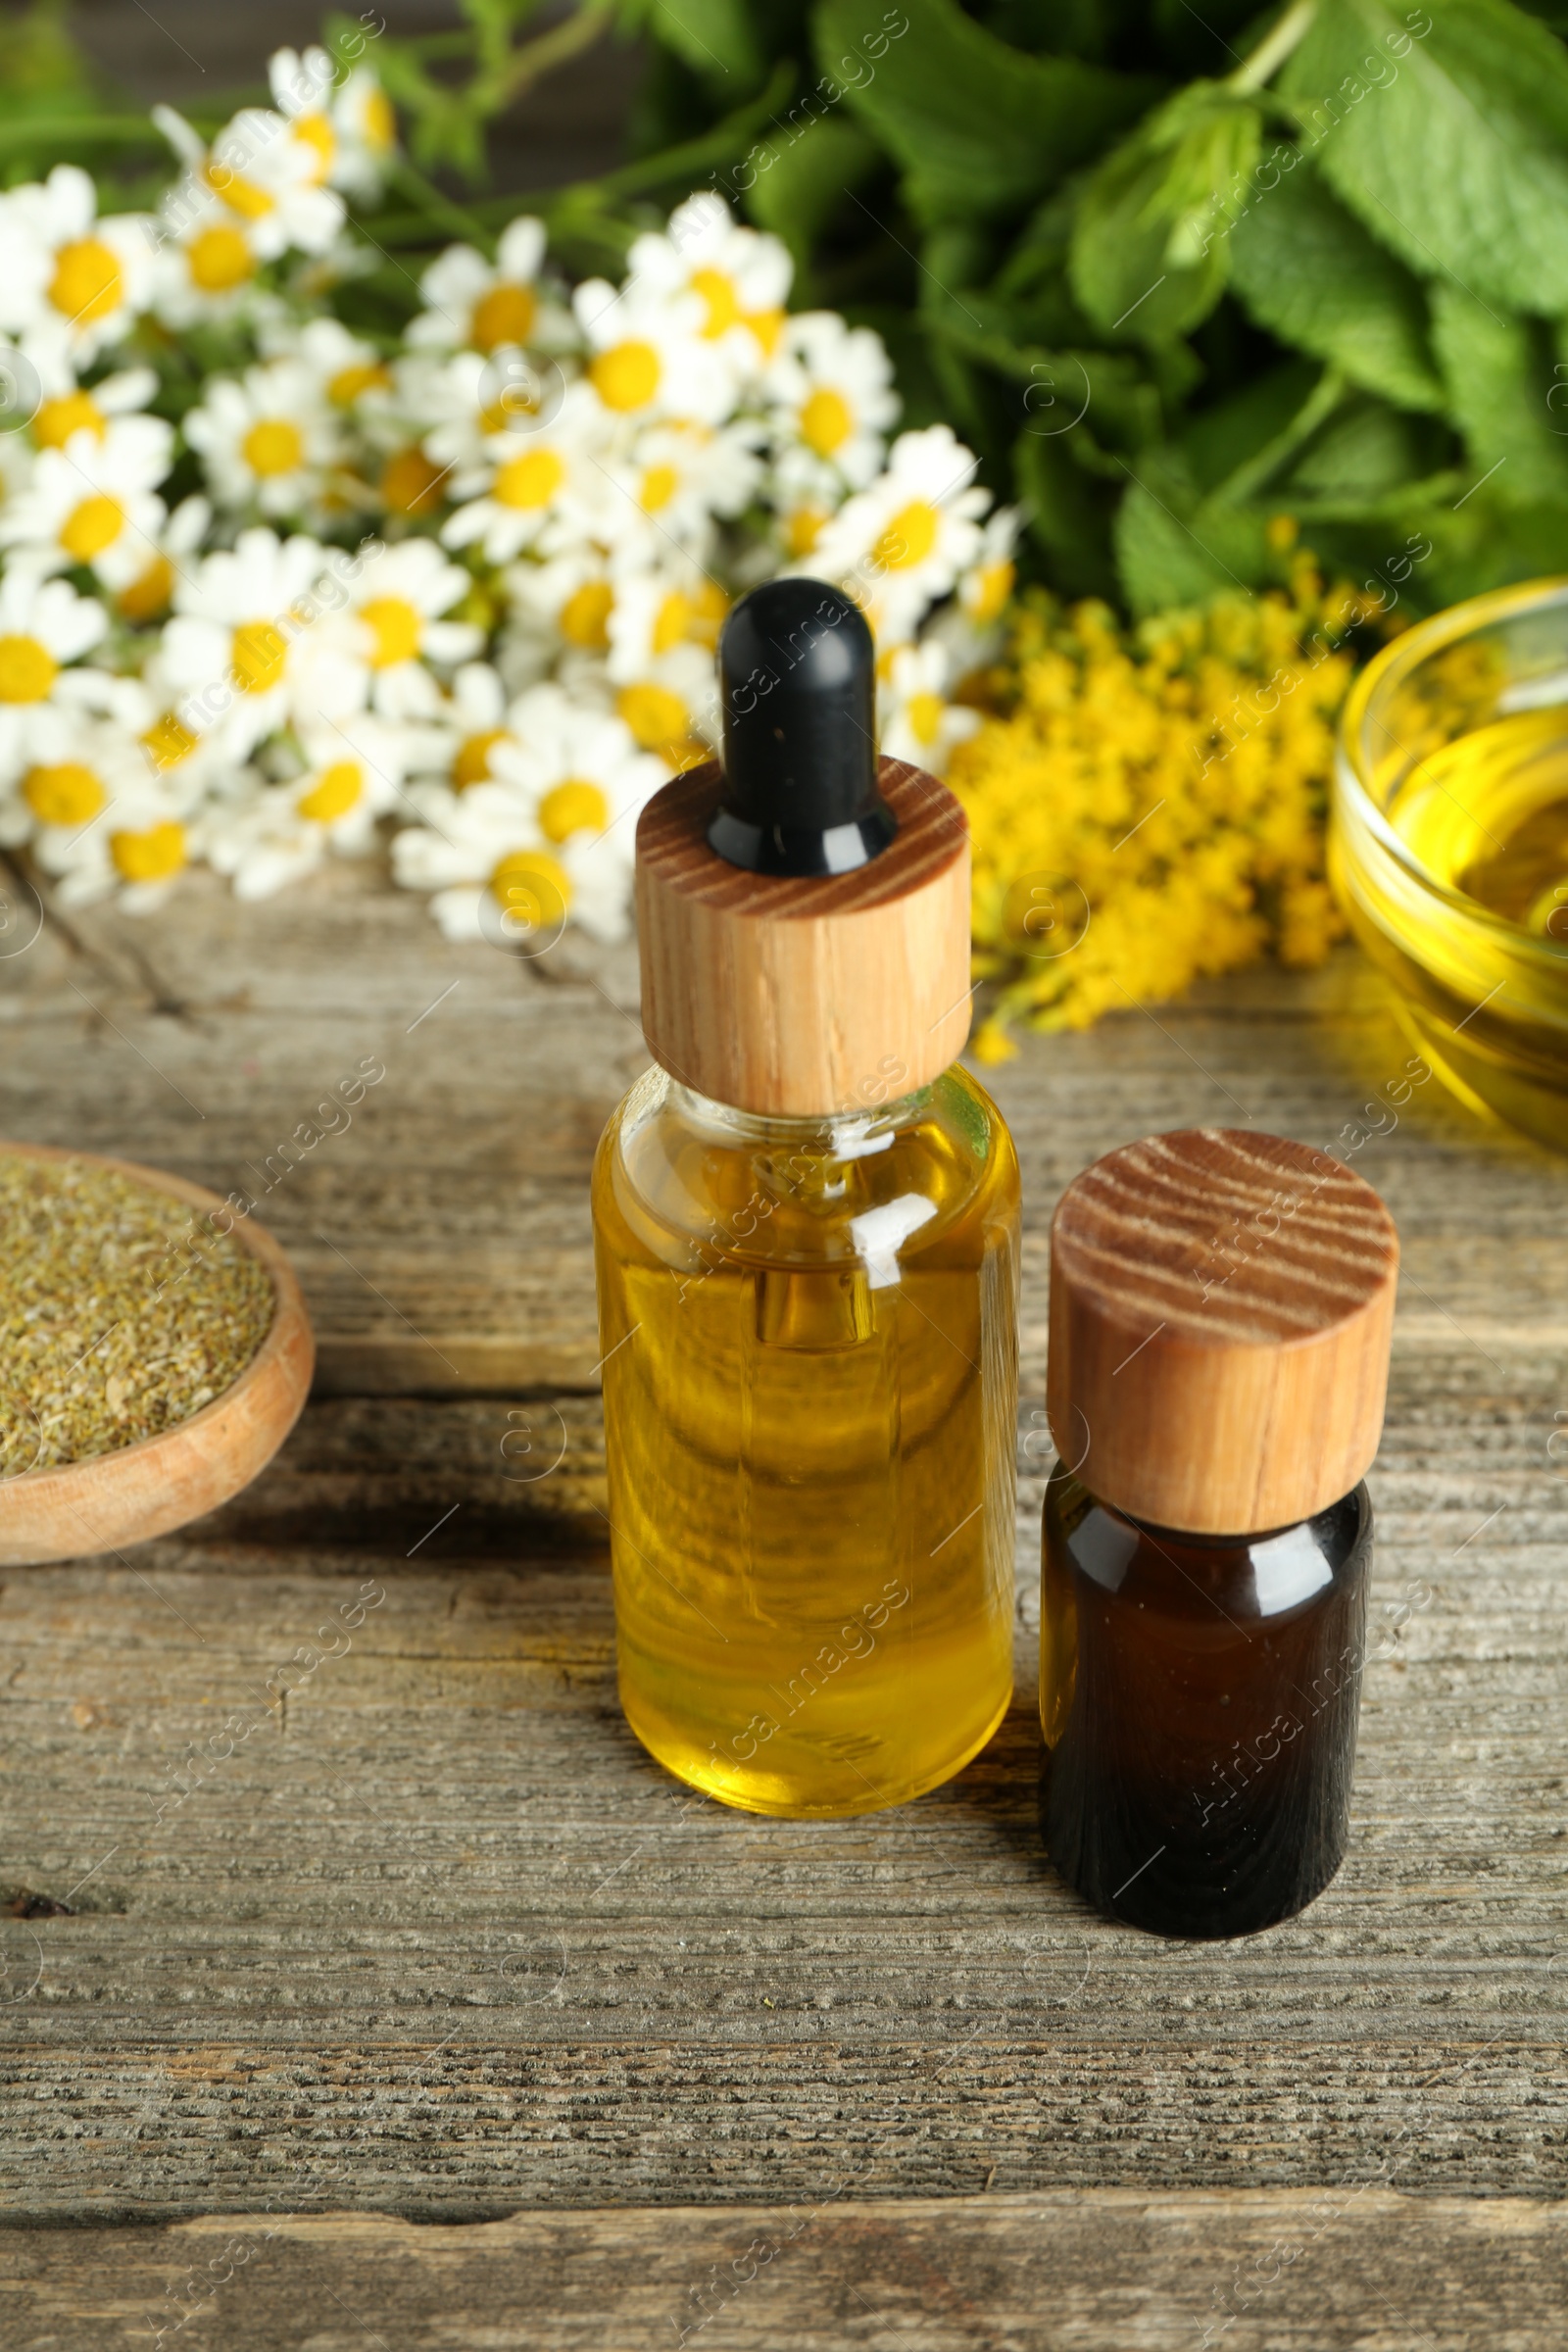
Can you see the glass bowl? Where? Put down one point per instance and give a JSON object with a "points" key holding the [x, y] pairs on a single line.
{"points": [[1452, 775]]}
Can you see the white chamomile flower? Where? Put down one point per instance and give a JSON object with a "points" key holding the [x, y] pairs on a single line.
{"points": [[95, 502], [80, 761], [916, 722], [105, 819], [267, 439], [740, 276], [44, 626], [471, 721], [671, 707], [545, 488], [343, 367], [495, 877], [656, 612], [262, 175], [903, 543], [676, 478], [831, 386], [66, 408], [985, 588], [391, 627], [148, 594], [237, 651], [366, 128], [647, 355], [445, 399], [302, 89], [577, 769], [971, 625], [208, 260], [71, 283], [569, 595], [482, 306], [278, 832]]}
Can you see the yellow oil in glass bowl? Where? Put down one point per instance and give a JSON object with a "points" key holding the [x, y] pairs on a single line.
{"points": [[1450, 844]]}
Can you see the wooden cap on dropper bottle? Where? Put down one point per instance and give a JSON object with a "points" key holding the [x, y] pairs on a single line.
{"points": [[1221, 1306], [802, 910]]}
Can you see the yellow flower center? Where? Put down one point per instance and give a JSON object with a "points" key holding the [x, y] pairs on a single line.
{"points": [[410, 483], [767, 326], [71, 412], [709, 614], [659, 486], [316, 132], [908, 538], [673, 622], [574, 806], [148, 856], [258, 655], [345, 389], [723, 303], [990, 590], [655, 716], [219, 260], [167, 743], [91, 526], [274, 446], [473, 763], [689, 750], [627, 377], [585, 617], [28, 669], [533, 889], [803, 530], [241, 195], [377, 121], [335, 793], [87, 283], [924, 715], [531, 481], [826, 421], [506, 314], [395, 627], [148, 595], [64, 795]]}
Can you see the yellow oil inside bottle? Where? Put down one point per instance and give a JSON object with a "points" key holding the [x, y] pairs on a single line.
{"points": [[1486, 816], [809, 1404], [1489, 815]]}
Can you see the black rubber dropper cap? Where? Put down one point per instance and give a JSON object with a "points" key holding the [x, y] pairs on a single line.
{"points": [[798, 676]]}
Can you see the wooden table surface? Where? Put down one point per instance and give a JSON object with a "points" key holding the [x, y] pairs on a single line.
{"points": [[433, 2014]]}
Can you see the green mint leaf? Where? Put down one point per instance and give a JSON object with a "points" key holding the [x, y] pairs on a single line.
{"points": [[1309, 273], [978, 128], [1450, 144], [1501, 382], [1150, 251]]}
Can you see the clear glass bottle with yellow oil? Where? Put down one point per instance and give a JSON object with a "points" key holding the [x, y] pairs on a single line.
{"points": [[806, 1221]]}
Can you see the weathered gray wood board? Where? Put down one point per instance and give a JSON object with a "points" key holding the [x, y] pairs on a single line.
{"points": [[1117, 2272], [435, 1939]]}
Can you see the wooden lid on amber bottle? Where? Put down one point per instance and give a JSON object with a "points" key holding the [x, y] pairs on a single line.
{"points": [[1221, 1306], [802, 908]]}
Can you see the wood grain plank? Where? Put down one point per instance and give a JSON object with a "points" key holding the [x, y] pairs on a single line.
{"points": [[1113, 2271]]}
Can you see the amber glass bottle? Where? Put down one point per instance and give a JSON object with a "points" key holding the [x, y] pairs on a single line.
{"points": [[806, 1226], [1220, 1312]]}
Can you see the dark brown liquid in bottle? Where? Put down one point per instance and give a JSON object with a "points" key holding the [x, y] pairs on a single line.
{"points": [[1199, 1697]]}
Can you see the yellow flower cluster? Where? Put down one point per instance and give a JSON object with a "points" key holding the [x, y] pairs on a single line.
{"points": [[1148, 806]]}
